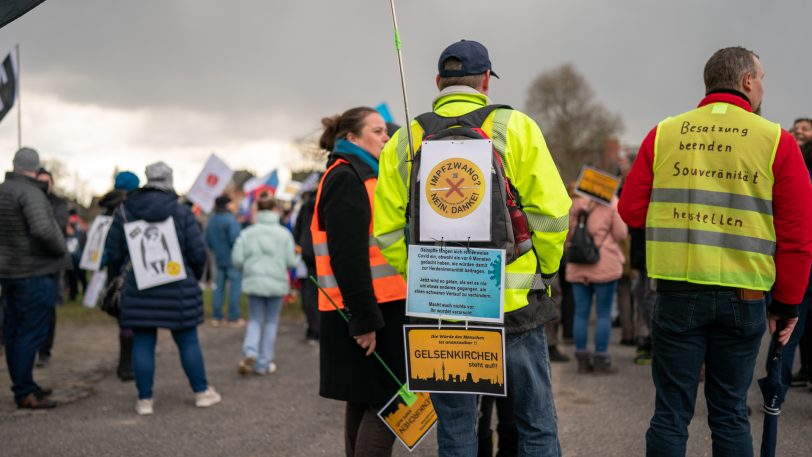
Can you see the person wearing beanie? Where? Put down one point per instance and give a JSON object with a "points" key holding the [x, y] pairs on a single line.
{"points": [[159, 176], [124, 182], [176, 306], [127, 181], [222, 231], [31, 249]]}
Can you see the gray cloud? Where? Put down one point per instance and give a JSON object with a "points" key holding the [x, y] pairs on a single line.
{"points": [[254, 69]]}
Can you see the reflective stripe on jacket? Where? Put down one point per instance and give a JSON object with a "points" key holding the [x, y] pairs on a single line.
{"points": [[710, 217], [528, 164], [387, 284]]}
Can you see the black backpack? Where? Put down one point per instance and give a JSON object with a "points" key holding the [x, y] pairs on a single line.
{"points": [[582, 247], [504, 196]]}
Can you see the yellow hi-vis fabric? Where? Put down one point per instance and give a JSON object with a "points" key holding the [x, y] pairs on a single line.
{"points": [[710, 218], [530, 168]]}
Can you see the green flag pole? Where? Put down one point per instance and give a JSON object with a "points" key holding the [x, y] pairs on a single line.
{"points": [[407, 396], [408, 126]]}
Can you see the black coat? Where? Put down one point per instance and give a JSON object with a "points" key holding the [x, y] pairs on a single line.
{"points": [[176, 305], [31, 243], [347, 374]]}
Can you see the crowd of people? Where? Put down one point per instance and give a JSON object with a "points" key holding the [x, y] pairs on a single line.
{"points": [[692, 295]]}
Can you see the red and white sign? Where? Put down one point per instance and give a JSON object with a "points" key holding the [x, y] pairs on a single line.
{"points": [[210, 183]]}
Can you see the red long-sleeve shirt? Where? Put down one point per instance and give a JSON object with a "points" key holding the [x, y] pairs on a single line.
{"points": [[792, 206]]}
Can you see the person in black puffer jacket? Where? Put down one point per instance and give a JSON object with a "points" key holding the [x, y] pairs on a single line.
{"points": [[177, 306], [31, 246]]}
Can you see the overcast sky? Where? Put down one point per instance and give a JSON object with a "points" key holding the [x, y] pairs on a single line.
{"points": [[123, 83]]}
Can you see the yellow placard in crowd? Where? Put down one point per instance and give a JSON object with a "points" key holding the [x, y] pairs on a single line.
{"points": [[455, 359], [597, 184], [409, 423]]}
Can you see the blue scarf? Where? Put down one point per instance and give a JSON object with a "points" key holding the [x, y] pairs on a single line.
{"points": [[348, 148]]}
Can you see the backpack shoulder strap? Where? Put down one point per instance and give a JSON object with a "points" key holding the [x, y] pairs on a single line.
{"points": [[476, 118], [432, 122]]}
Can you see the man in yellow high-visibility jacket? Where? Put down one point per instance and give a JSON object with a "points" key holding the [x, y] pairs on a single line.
{"points": [[463, 80], [726, 203]]}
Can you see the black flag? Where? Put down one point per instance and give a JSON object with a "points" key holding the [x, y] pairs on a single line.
{"points": [[8, 87], [12, 9]]}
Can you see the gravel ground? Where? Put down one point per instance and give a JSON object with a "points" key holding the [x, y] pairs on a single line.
{"points": [[282, 415]]}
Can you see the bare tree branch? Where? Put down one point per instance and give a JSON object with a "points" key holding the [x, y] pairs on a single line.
{"points": [[575, 125]]}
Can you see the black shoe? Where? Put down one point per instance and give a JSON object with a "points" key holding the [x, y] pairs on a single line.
{"points": [[800, 379], [556, 355], [125, 376], [43, 360], [43, 392], [32, 402], [643, 345], [628, 342]]}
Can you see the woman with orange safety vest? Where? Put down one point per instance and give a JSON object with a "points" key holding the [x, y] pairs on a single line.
{"points": [[355, 275]]}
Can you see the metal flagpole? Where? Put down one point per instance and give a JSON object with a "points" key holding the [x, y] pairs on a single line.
{"points": [[19, 101], [402, 81]]}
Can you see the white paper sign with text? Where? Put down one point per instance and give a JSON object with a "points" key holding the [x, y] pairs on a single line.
{"points": [[455, 189]]}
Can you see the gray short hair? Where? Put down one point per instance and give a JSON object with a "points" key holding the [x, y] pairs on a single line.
{"points": [[727, 66], [452, 63]]}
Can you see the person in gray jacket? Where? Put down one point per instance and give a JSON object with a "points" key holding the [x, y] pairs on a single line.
{"points": [[31, 245]]}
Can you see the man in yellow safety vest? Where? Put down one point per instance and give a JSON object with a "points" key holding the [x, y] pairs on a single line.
{"points": [[726, 202], [464, 77]]}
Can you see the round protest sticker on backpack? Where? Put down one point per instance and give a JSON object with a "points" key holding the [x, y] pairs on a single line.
{"points": [[455, 187]]}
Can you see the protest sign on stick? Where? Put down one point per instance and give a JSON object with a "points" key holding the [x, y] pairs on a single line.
{"points": [[94, 248], [210, 183], [409, 423], [597, 185]]}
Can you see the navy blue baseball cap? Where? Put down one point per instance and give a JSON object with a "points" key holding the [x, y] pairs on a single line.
{"points": [[473, 55]]}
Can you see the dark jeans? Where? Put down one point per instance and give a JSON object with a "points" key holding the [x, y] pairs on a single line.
{"points": [[365, 434], [724, 333], [530, 390], [48, 343], [234, 279], [505, 427], [29, 302], [75, 277], [191, 357]]}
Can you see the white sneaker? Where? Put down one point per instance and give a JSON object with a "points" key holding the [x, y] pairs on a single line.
{"points": [[207, 398], [271, 369], [144, 407]]}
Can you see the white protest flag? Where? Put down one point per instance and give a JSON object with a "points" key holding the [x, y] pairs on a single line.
{"points": [[155, 253], [210, 183], [96, 236]]}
